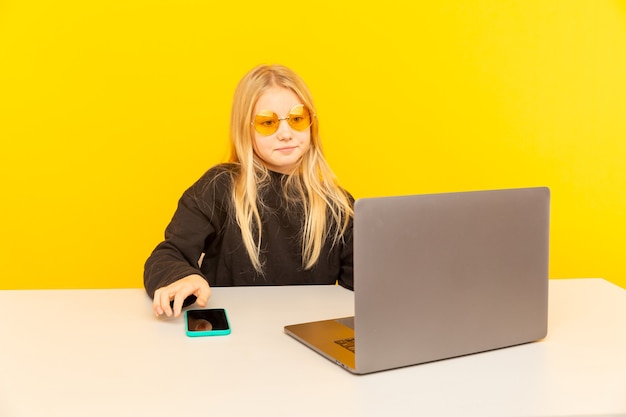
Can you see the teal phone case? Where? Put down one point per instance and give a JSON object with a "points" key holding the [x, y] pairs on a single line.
{"points": [[202, 318]]}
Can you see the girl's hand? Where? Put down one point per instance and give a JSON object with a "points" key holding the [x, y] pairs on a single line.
{"points": [[179, 291]]}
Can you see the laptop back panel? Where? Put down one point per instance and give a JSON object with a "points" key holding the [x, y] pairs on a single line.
{"points": [[444, 275]]}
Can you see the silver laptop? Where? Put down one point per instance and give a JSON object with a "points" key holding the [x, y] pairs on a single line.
{"points": [[439, 276]]}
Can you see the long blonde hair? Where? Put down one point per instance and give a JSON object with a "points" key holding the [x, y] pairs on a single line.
{"points": [[327, 208]]}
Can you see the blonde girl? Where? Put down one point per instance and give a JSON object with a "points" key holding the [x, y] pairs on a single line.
{"points": [[273, 215]]}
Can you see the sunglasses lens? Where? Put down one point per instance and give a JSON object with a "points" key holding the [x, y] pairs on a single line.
{"points": [[266, 122], [299, 118]]}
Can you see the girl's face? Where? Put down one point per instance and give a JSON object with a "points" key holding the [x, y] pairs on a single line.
{"points": [[282, 150]]}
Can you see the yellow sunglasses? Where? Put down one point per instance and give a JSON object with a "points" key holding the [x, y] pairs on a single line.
{"points": [[266, 122]]}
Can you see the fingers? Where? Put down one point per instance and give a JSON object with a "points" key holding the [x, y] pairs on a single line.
{"points": [[203, 295], [178, 303], [161, 302], [178, 291]]}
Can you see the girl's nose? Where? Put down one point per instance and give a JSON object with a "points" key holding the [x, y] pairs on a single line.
{"points": [[284, 131]]}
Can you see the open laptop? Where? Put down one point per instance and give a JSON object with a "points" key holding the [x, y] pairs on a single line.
{"points": [[438, 276]]}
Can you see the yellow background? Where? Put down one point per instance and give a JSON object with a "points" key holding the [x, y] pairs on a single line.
{"points": [[110, 109]]}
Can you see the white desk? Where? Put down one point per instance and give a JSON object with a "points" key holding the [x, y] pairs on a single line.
{"points": [[102, 353]]}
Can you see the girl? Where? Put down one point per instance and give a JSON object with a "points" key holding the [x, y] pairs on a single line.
{"points": [[273, 215]]}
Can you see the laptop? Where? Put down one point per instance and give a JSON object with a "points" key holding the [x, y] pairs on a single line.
{"points": [[439, 276]]}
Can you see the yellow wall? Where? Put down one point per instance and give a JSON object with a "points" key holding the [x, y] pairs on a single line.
{"points": [[110, 109]]}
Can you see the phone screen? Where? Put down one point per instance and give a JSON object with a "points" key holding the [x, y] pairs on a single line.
{"points": [[209, 322]]}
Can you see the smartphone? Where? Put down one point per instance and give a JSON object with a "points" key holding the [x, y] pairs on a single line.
{"points": [[206, 322]]}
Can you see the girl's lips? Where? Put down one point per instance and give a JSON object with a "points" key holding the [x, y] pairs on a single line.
{"points": [[286, 149]]}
